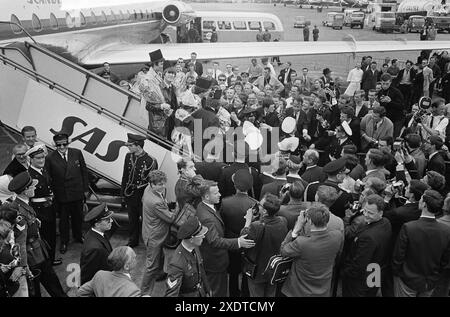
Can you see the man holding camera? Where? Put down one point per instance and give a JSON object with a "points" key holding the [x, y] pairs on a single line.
{"points": [[374, 127], [392, 100], [433, 123]]}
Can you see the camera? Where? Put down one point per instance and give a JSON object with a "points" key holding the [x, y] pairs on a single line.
{"points": [[424, 104], [255, 210], [356, 207]]}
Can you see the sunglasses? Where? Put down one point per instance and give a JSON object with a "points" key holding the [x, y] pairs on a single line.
{"points": [[62, 144]]}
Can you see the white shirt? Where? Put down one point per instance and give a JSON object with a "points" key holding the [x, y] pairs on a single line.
{"points": [[432, 154], [65, 153], [439, 124], [209, 205], [355, 75]]}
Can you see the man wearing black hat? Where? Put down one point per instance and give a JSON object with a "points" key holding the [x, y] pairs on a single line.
{"points": [[134, 180], [68, 172], [42, 202], [96, 247], [336, 171], [233, 210], [33, 250], [186, 276]]}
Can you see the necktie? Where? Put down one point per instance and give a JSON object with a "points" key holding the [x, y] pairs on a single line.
{"points": [[432, 121], [375, 126], [65, 156]]}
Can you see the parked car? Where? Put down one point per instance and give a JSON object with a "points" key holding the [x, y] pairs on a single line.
{"points": [[338, 21], [299, 21], [415, 23]]}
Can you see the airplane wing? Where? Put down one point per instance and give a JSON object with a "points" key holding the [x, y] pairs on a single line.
{"points": [[127, 54]]}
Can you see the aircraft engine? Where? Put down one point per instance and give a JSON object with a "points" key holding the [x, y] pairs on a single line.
{"points": [[177, 13]]}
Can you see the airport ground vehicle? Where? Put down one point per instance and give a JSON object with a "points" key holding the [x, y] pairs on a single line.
{"points": [[299, 21], [356, 19], [415, 23]]}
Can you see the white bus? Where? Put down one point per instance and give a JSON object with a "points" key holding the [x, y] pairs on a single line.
{"points": [[238, 26]]}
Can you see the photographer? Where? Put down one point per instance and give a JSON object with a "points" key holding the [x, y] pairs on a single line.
{"points": [[392, 100], [267, 230], [375, 126], [433, 121]]}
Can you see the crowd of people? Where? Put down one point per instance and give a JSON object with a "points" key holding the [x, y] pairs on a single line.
{"points": [[354, 193]]}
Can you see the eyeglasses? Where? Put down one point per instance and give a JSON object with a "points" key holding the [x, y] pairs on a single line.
{"points": [[62, 144], [221, 79]]}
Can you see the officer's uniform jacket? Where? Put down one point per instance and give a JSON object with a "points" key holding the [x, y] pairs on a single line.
{"points": [[135, 172], [186, 275], [42, 202], [33, 250]]}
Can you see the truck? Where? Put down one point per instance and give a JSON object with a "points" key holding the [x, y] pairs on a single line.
{"points": [[357, 19], [381, 15]]}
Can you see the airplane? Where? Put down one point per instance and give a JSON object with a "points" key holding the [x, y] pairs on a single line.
{"points": [[121, 33]]}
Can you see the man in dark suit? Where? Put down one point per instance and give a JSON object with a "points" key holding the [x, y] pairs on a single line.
{"points": [[404, 82], [369, 79], [371, 245], [392, 100], [19, 163], [70, 185], [435, 161], [233, 210], [137, 165], [42, 202], [312, 173], [341, 139], [348, 114], [214, 249], [96, 247], [198, 67], [285, 74], [422, 251], [335, 171]]}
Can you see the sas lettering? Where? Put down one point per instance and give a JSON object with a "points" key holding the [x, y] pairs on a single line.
{"points": [[44, 1], [91, 139]]}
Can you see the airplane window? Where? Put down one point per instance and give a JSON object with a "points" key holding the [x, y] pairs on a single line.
{"points": [[254, 25], [82, 20], [53, 22], [36, 23], [104, 18], [239, 25], [224, 25], [269, 25], [69, 21], [15, 28], [93, 18], [208, 25]]}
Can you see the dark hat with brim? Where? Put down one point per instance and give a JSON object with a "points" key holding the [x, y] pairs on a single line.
{"points": [[156, 56], [335, 167], [98, 213], [132, 138], [59, 136], [35, 150], [203, 83], [191, 228], [21, 182]]}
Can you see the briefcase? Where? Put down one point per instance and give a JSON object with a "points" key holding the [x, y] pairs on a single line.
{"points": [[278, 268]]}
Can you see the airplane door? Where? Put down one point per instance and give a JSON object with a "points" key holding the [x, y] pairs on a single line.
{"points": [[198, 26], [182, 31]]}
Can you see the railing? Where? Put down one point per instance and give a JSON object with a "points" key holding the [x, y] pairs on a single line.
{"points": [[82, 100]]}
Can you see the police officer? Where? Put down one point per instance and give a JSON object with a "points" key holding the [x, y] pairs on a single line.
{"points": [[134, 180], [96, 247], [33, 250], [186, 275], [42, 202]]}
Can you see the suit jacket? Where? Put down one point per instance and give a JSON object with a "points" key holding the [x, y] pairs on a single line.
{"points": [[208, 117], [339, 206], [226, 185], [69, 179], [437, 163], [379, 173], [394, 108], [311, 271], [371, 245], [291, 212], [399, 216], [314, 174], [385, 129], [369, 80], [156, 218], [362, 113], [43, 189], [94, 255], [210, 170], [232, 211], [214, 247], [412, 75], [421, 253], [273, 81], [283, 74], [335, 148], [198, 67], [273, 187], [135, 172], [14, 168], [109, 284]]}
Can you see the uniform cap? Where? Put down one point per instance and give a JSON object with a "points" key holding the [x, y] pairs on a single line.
{"points": [[336, 166], [135, 138], [191, 228], [156, 56], [35, 150], [59, 136], [288, 125], [242, 180], [347, 128], [21, 182], [98, 213]]}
